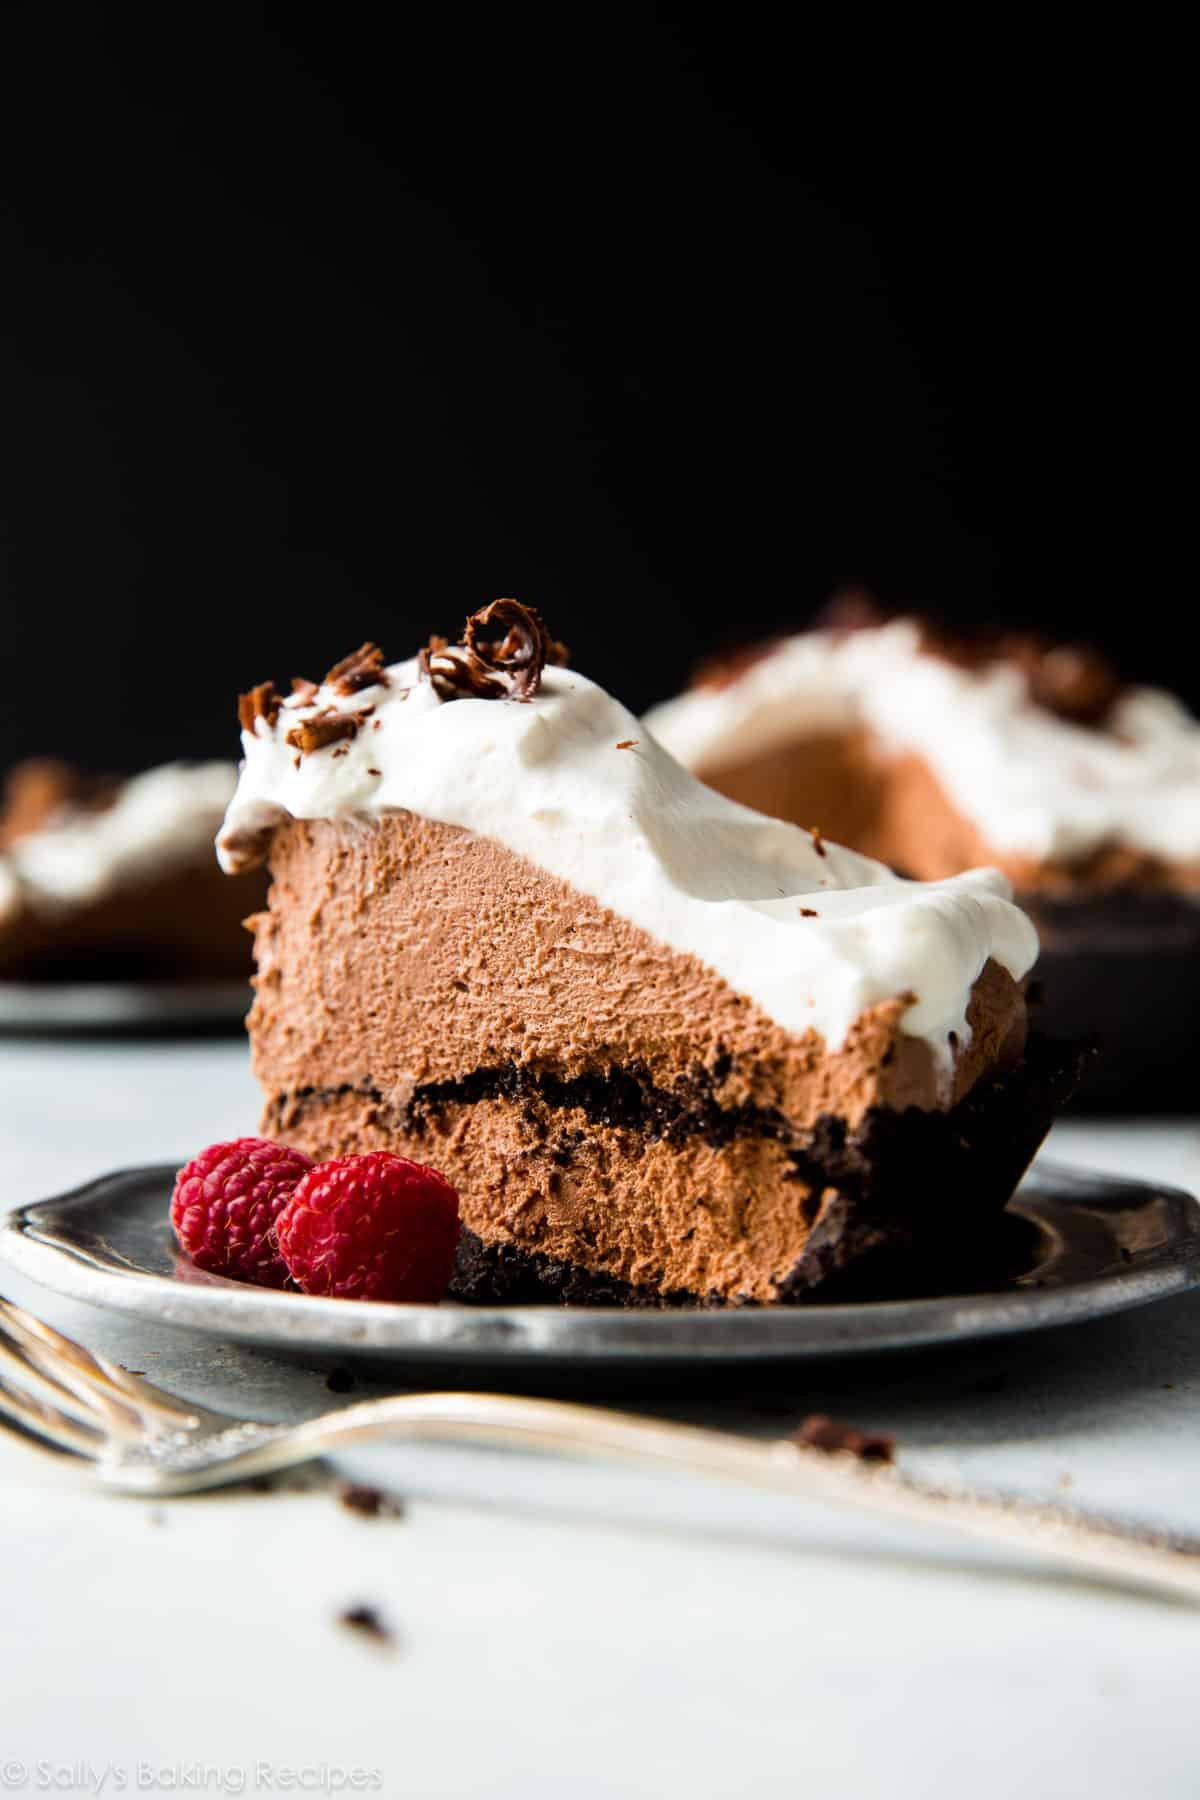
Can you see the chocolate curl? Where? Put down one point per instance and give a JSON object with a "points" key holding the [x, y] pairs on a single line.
{"points": [[262, 702], [363, 668], [505, 668], [327, 727]]}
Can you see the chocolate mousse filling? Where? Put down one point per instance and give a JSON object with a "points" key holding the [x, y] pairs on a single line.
{"points": [[868, 1197]]}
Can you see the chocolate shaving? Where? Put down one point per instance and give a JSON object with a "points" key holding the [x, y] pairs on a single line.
{"points": [[1070, 680], [819, 1432], [303, 690], [806, 912], [818, 842], [628, 744], [262, 702], [505, 668], [1075, 682], [363, 668], [324, 728]]}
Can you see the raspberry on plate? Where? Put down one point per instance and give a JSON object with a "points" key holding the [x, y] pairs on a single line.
{"points": [[373, 1227], [225, 1205]]}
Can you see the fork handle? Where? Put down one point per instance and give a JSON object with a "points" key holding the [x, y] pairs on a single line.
{"points": [[1117, 1554]]}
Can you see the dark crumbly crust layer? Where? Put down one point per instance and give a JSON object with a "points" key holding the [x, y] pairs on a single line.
{"points": [[626, 1097], [899, 1188], [910, 1184], [499, 1274]]}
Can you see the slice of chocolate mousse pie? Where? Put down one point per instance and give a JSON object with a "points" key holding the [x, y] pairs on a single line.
{"points": [[666, 1048]]}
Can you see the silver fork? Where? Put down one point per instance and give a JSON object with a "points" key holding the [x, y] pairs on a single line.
{"points": [[140, 1440]]}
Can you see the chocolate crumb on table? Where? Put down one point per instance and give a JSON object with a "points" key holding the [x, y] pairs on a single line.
{"points": [[367, 1622], [369, 1502], [628, 744], [819, 1432], [818, 842], [806, 912]]}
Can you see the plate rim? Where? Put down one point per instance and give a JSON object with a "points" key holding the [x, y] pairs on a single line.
{"points": [[51, 1008], [579, 1335]]}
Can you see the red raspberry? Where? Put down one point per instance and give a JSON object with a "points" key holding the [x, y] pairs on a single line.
{"points": [[225, 1204], [374, 1227]]}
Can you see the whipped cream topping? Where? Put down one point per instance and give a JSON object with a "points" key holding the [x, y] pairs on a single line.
{"points": [[571, 782], [1034, 784], [164, 818]]}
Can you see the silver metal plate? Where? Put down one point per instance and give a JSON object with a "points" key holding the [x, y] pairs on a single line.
{"points": [[70, 1007], [1073, 1246]]}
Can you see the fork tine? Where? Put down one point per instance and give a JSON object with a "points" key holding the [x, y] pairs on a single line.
{"points": [[83, 1399], [45, 1424], [84, 1372]]}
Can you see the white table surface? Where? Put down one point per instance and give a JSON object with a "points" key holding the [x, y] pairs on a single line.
{"points": [[586, 1632]]}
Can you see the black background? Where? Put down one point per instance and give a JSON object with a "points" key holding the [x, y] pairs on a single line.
{"points": [[312, 330]]}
